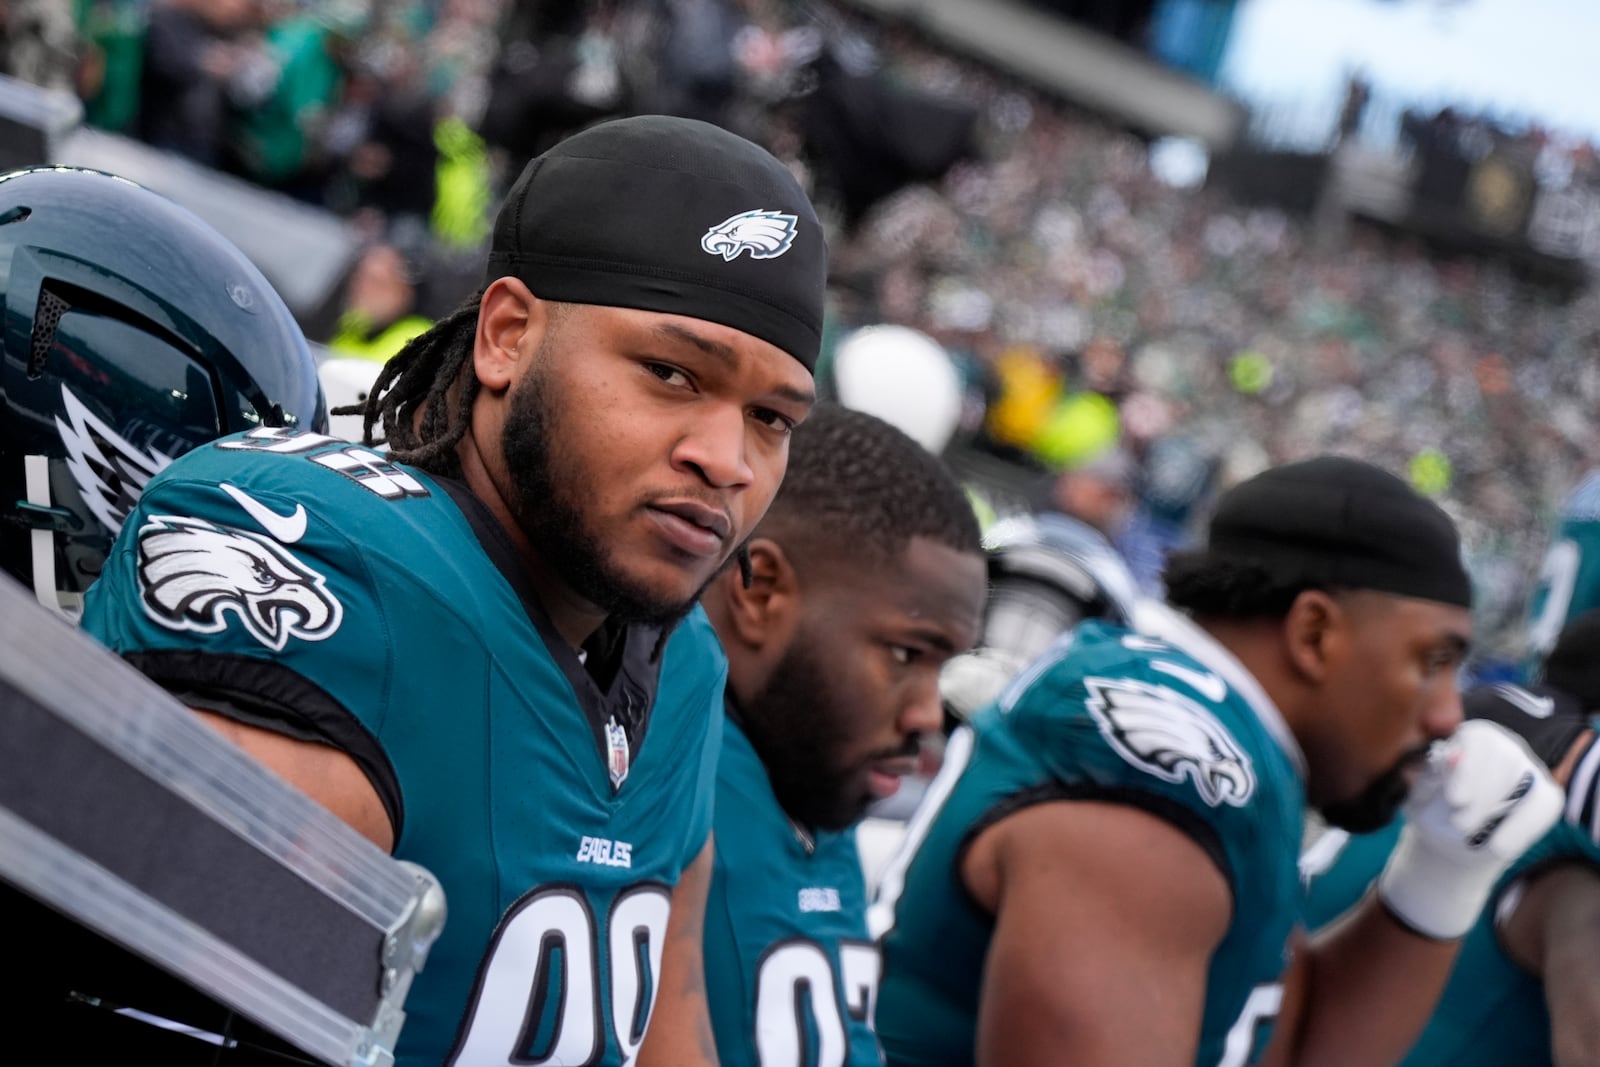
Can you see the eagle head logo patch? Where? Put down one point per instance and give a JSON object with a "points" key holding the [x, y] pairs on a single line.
{"points": [[1172, 737], [193, 574], [763, 234]]}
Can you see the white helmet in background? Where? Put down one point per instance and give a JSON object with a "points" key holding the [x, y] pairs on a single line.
{"points": [[1047, 573], [905, 378], [347, 381]]}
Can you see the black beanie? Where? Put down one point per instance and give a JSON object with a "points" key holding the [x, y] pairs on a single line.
{"points": [[1342, 523], [671, 215]]}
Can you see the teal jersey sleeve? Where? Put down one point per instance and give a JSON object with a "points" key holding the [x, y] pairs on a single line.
{"points": [[1146, 737], [319, 589], [233, 593], [791, 975], [1340, 868], [1170, 725], [1492, 1012]]}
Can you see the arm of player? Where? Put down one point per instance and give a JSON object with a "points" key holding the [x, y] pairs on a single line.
{"points": [[323, 773], [680, 1025], [1105, 921], [1553, 933], [1359, 993]]}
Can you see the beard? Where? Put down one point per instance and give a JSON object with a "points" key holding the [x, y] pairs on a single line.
{"points": [[550, 515], [800, 724], [1376, 805]]}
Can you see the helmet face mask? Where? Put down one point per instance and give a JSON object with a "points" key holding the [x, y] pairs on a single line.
{"points": [[132, 333]]}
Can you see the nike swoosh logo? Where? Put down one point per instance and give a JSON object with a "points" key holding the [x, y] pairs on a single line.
{"points": [[286, 528], [1535, 707]]}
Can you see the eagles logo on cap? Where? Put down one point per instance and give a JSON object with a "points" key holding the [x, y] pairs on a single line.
{"points": [[764, 234], [583, 225]]}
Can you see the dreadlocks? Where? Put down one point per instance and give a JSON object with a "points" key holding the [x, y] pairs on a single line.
{"points": [[418, 378]]}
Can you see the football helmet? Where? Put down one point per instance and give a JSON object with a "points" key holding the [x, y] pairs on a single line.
{"points": [[131, 333], [1047, 573]]}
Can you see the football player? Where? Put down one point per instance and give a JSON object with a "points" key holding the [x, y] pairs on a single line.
{"points": [[1047, 573], [481, 649], [866, 576], [1105, 871], [1526, 988]]}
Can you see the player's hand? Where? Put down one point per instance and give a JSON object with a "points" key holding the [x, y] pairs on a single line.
{"points": [[1482, 801]]}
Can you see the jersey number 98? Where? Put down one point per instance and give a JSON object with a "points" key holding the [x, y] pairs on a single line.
{"points": [[539, 999]]}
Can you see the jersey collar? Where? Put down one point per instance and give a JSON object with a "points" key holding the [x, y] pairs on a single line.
{"points": [[618, 713], [1154, 619]]}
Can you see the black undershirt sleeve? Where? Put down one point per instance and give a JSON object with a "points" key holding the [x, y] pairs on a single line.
{"points": [[271, 696]]}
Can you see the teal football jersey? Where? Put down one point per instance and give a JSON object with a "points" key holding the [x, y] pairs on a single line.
{"points": [[1340, 867], [1569, 577], [1164, 719], [1492, 1013], [301, 583], [791, 974]]}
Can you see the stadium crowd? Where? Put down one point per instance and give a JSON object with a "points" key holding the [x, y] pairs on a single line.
{"points": [[596, 494], [1049, 259]]}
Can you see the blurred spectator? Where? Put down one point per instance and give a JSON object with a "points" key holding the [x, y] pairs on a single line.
{"points": [[1098, 492], [380, 305], [113, 33], [379, 145], [697, 66], [557, 72], [39, 43], [191, 55], [280, 137]]}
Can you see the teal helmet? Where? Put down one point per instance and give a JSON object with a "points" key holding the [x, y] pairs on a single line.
{"points": [[131, 332]]}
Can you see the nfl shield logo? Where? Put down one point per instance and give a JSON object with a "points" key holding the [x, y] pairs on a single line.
{"points": [[616, 753]]}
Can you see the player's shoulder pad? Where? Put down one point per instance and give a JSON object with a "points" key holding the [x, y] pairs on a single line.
{"points": [[299, 461], [1161, 711], [1171, 719]]}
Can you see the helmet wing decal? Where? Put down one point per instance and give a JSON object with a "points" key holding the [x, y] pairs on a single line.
{"points": [[110, 471]]}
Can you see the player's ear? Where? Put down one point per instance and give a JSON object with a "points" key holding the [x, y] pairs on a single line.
{"points": [[762, 611], [1310, 631], [511, 323]]}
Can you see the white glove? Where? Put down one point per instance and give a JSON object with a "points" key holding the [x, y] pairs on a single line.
{"points": [[1482, 801], [971, 680]]}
